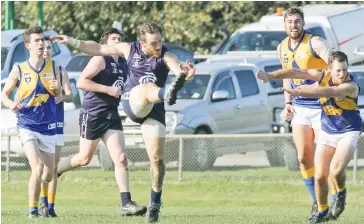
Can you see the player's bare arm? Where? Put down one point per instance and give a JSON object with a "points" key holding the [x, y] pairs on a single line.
{"points": [[321, 48], [95, 65], [177, 67], [93, 48], [286, 73], [342, 90], [8, 87], [66, 86]]}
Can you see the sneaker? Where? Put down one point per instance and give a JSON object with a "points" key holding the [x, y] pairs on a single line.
{"points": [[173, 89], [314, 208], [132, 209], [153, 213], [339, 206], [318, 218], [33, 215], [43, 211], [52, 213]]}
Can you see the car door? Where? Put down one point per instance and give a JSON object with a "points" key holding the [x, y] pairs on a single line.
{"points": [[254, 112], [224, 112], [71, 115]]}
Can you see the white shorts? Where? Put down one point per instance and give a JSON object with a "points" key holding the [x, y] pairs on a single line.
{"points": [[47, 143], [351, 137], [307, 116], [59, 140]]}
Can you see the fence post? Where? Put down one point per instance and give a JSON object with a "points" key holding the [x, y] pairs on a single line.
{"points": [[355, 167], [8, 159], [180, 160]]}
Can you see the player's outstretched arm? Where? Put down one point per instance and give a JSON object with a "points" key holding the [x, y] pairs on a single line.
{"points": [[93, 48], [286, 73], [342, 90], [178, 68]]}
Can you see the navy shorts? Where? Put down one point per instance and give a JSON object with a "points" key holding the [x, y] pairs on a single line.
{"points": [[93, 127], [158, 113]]}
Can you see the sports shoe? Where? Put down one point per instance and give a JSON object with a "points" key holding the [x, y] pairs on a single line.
{"points": [[43, 211], [318, 218], [314, 208], [153, 213], [339, 206], [52, 213], [132, 209], [33, 215], [173, 88]]}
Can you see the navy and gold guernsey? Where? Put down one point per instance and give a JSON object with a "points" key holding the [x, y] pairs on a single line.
{"points": [[339, 115], [301, 57], [38, 100]]}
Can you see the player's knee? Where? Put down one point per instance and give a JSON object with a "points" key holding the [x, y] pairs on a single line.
{"points": [[85, 161], [47, 177], [336, 173], [321, 178], [38, 171]]}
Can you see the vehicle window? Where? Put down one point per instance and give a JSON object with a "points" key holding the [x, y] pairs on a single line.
{"points": [[254, 41], [20, 54], [76, 95], [4, 54], [274, 83], [247, 83], [78, 63], [317, 31], [224, 81], [56, 50], [359, 77], [194, 89], [182, 55]]}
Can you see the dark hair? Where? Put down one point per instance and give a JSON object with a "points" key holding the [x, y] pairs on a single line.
{"points": [[337, 56], [30, 31], [148, 27], [47, 38], [105, 35], [292, 11]]}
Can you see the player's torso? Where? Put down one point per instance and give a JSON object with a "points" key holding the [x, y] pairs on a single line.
{"points": [[114, 74], [340, 114], [302, 56], [144, 69], [37, 97]]}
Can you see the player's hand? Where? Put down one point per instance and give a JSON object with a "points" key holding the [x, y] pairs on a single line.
{"points": [[114, 91], [62, 39], [16, 106], [288, 112], [59, 99], [189, 69], [264, 76]]}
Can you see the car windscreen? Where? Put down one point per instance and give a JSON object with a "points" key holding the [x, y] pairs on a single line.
{"points": [[192, 90]]}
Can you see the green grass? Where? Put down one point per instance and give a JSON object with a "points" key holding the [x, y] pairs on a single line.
{"points": [[262, 195]]}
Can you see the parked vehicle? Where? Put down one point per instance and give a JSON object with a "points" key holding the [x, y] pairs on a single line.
{"points": [[13, 50], [330, 21]]}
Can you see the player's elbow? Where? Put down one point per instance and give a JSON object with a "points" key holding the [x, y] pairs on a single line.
{"points": [[81, 84]]}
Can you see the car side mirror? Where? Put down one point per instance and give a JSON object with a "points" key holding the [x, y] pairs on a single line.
{"points": [[220, 95]]}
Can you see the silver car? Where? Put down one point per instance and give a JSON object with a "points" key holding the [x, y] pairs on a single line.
{"points": [[223, 98]]}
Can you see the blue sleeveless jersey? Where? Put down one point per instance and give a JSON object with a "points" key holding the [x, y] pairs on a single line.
{"points": [[100, 104], [339, 115], [39, 107]]}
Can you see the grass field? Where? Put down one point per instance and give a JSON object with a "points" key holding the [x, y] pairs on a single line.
{"points": [[263, 195]]}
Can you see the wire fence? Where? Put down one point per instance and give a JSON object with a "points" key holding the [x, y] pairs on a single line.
{"points": [[186, 153]]}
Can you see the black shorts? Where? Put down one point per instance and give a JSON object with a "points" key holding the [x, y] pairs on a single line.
{"points": [[92, 127], [158, 113]]}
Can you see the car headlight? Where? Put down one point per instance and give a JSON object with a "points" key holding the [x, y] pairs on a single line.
{"points": [[173, 119]]}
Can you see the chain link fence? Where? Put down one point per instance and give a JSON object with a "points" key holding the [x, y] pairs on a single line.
{"points": [[186, 153]]}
